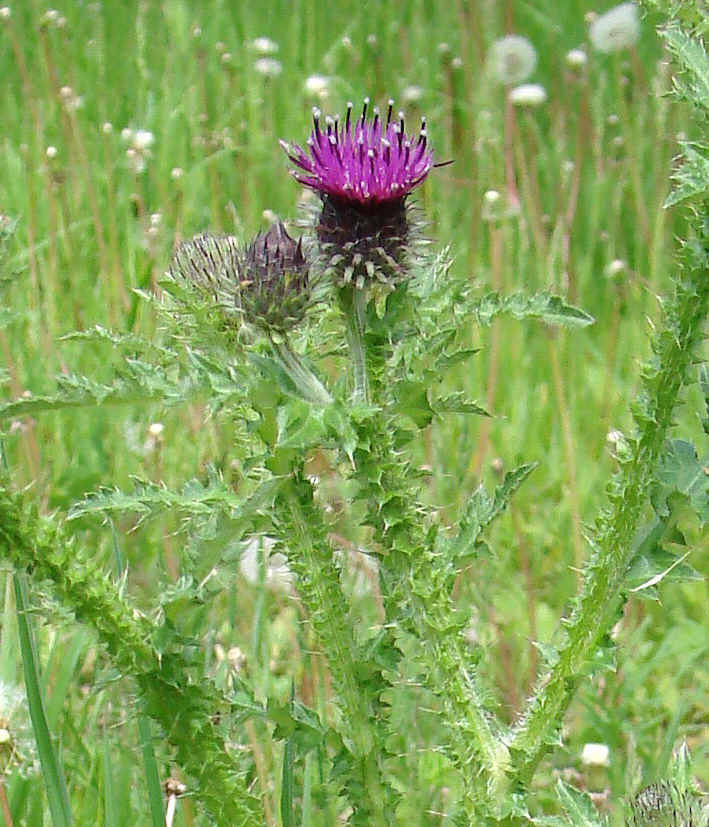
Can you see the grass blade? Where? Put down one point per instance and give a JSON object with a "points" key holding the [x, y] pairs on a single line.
{"points": [[54, 784], [152, 776]]}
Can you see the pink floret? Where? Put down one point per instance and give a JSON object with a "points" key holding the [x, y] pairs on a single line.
{"points": [[369, 162]]}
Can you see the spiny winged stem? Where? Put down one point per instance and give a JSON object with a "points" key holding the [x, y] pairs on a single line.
{"points": [[304, 379], [354, 305], [674, 348], [311, 558], [418, 600], [38, 546]]}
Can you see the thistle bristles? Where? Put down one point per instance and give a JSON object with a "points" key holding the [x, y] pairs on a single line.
{"points": [[265, 285], [363, 170], [274, 292]]}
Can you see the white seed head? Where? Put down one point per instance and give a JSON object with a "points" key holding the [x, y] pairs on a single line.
{"points": [[176, 173], [51, 152], [156, 430], [268, 67], [265, 46], [106, 127], [617, 29], [513, 59], [317, 85], [595, 755], [576, 58], [142, 140], [5, 12], [528, 94], [412, 94]]}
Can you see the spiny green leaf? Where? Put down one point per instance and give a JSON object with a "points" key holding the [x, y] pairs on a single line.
{"points": [[544, 306], [690, 54], [692, 178], [195, 499]]}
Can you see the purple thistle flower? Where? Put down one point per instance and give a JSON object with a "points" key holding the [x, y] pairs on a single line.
{"points": [[367, 162], [363, 170]]}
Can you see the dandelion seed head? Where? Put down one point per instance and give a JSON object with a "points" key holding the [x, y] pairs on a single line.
{"points": [[528, 94], [513, 59], [617, 29], [265, 46], [268, 67], [318, 86]]}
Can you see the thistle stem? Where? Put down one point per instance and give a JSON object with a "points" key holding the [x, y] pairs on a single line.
{"points": [[674, 350], [354, 305], [303, 378]]}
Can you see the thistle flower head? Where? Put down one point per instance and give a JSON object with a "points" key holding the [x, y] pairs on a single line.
{"points": [[617, 29], [369, 162], [273, 291], [266, 284], [363, 170], [663, 804]]}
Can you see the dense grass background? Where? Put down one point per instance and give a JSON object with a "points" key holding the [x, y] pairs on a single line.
{"points": [[592, 166]]}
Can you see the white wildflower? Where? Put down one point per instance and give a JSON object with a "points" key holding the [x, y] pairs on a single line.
{"points": [[412, 94], [317, 85], [269, 67], [576, 58], [513, 59], [5, 12], [139, 143], [528, 94], [51, 152], [617, 29], [142, 139], [265, 46], [595, 755]]}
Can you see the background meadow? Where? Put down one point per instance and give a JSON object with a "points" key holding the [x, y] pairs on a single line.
{"points": [[128, 126]]}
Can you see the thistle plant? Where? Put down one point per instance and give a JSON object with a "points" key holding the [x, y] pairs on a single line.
{"points": [[327, 357]]}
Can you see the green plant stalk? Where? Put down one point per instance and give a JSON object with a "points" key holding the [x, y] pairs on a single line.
{"points": [[416, 597], [306, 381], [54, 783], [353, 302], [311, 558], [185, 711], [674, 348]]}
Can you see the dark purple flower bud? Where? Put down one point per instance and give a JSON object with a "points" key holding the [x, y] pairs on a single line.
{"points": [[663, 804], [363, 171], [265, 285], [274, 292]]}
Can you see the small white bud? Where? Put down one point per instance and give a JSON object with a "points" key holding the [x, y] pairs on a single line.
{"points": [[595, 755], [576, 58], [528, 94]]}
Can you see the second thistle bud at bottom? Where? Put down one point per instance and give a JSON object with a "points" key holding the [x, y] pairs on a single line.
{"points": [[274, 291]]}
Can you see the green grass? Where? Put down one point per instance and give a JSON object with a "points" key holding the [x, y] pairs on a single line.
{"points": [[592, 167]]}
